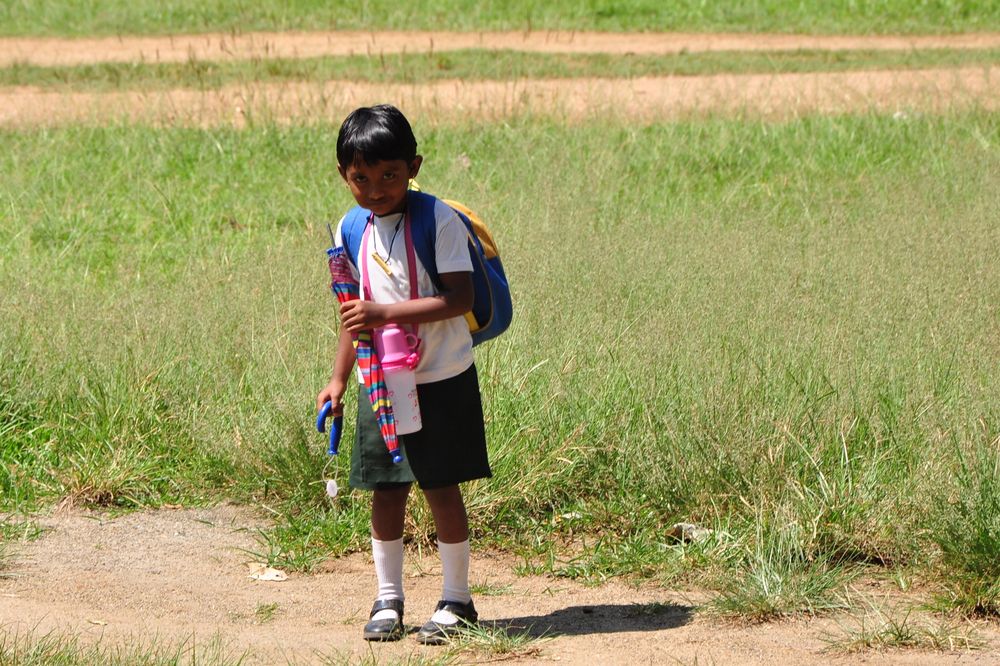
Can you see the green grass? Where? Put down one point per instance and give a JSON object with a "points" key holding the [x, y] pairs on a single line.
{"points": [[474, 65], [487, 589], [54, 649], [786, 332], [372, 658], [776, 577], [859, 16], [968, 531], [491, 643], [265, 613], [894, 629], [6, 557], [12, 532]]}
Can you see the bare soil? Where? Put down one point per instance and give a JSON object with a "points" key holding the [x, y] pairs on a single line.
{"points": [[756, 95], [174, 574], [226, 46]]}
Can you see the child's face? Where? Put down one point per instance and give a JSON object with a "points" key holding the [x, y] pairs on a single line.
{"points": [[380, 187]]}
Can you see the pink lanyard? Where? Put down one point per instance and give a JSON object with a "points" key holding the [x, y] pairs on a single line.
{"points": [[411, 260]]}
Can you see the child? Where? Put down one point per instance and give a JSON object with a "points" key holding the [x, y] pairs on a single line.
{"points": [[377, 157]]}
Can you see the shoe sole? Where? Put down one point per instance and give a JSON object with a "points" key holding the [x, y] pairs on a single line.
{"points": [[435, 639]]}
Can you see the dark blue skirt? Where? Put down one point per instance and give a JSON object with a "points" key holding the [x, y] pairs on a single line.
{"points": [[449, 448]]}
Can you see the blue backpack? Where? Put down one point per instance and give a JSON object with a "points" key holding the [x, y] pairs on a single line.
{"points": [[492, 309]]}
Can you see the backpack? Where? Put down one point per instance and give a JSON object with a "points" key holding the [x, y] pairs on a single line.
{"points": [[492, 309]]}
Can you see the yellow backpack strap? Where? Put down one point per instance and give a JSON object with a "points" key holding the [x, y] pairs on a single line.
{"points": [[479, 227]]}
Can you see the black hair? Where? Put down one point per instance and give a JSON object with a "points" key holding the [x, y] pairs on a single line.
{"points": [[375, 134]]}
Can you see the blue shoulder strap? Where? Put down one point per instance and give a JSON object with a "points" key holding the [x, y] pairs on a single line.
{"points": [[421, 209], [352, 230]]}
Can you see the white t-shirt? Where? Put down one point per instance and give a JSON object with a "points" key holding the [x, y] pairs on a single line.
{"points": [[446, 350]]}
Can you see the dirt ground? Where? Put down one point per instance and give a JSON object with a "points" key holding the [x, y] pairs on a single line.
{"points": [[646, 98], [226, 46], [177, 573]]}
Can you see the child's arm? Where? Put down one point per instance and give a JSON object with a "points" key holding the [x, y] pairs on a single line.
{"points": [[454, 300], [343, 364]]}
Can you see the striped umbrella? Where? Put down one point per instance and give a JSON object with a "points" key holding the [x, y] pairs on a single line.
{"points": [[346, 289]]}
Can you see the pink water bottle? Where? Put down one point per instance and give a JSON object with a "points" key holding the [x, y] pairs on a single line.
{"points": [[399, 358]]}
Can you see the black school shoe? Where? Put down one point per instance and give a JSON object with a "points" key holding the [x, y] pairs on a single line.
{"points": [[435, 633], [385, 630]]}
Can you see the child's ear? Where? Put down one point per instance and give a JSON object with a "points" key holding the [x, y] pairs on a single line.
{"points": [[415, 166], [343, 172]]}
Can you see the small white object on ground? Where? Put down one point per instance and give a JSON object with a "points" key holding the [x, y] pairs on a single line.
{"points": [[331, 488], [259, 571], [686, 532]]}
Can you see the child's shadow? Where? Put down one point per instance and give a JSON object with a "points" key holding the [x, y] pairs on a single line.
{"points": [[599, 619]]}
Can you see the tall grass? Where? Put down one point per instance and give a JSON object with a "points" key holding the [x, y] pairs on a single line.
{"points": [[968, 529], [143, 16], [739, 324]]}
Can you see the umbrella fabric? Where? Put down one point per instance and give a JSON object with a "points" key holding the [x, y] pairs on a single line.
{"points": [[346, 289]]}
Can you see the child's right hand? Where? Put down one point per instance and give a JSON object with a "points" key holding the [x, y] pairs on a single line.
{"points": [[333, 393]]}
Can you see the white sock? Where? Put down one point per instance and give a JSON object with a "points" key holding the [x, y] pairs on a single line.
{"points": [[388, 556], [455, 571]]}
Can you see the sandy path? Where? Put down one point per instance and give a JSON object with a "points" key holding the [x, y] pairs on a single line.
{"points": [[766, 95], [172, 574], [55, 51]]}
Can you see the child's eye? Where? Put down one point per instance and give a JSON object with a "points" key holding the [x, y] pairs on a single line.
{"points": [[388, 176]]}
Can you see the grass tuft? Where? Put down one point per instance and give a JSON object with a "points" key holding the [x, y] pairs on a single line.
{"points": [[6, 557], [494, 643], [55, 649], [13, 532], [878, 630], [487, 589], [968, 533], [777, 579], [372, 658], [264, 613]]}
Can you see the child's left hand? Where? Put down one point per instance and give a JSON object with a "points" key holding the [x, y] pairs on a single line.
{"points": [[358, 315]]}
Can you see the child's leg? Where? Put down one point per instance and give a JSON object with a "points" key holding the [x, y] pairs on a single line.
{"points": [[452, 525], [388, 512], [455, 610]]}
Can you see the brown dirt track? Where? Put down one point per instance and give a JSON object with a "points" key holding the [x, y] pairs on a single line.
{"points": [[646, 98], [223, 46]]}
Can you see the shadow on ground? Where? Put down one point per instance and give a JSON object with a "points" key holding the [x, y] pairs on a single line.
{"points": [[599, 619]]}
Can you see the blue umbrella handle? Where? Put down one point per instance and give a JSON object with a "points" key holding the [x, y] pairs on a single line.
{"points": [[336, 426]]}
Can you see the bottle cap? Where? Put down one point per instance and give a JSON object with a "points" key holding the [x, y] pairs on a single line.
{"points": [[394, 345]]}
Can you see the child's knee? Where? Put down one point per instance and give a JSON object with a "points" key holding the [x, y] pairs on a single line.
{"points": [[391, 496], [449, 496]]}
